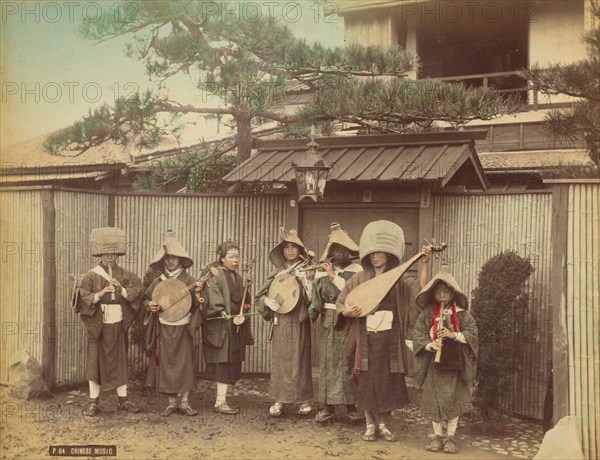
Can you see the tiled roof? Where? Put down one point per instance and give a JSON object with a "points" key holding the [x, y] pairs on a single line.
{"points": [[31, 154], [430, 157], [534, 159]]}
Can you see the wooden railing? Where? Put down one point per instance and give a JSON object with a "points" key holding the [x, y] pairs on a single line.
{"points": [[507, 83]]}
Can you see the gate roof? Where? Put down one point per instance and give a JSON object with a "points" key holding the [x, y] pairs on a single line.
{"points": [[445, 158]]}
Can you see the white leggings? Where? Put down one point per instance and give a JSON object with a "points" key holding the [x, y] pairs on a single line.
{"points": [[95, 390], [451, 425]]}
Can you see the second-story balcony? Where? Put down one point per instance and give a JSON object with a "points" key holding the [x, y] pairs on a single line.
{"points": [[509, 84]]}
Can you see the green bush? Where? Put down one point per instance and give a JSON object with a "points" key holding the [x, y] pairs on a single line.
{"points": [[200, 175], [206, 176], [500, 306]]}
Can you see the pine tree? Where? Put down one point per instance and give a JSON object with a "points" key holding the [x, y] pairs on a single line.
{"points": [[249, 66], [580, 80]]}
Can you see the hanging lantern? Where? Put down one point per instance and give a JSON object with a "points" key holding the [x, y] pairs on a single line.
{"points": [[311, 172]]}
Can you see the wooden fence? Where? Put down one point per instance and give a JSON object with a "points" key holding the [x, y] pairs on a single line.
{"points": [[582, 302], [478, 227], [45, 231]]}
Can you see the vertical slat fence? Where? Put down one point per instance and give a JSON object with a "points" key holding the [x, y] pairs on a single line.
{"points": [[477, 227]]}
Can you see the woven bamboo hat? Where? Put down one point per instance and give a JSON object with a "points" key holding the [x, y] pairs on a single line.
{"points": [[287, 236], [107, 240], [339, 236], [172, 247], [425, 297], [382, 236]]}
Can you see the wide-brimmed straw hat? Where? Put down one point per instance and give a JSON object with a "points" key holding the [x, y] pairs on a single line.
{"points": [[382, 236], [339, 236], [287, 236], [172, 247], [425, 297], [107, 240]]}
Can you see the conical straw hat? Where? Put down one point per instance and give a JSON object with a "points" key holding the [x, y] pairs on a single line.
{"points": [[172, 247], [425, 297], [339, 236], [287, 236]]}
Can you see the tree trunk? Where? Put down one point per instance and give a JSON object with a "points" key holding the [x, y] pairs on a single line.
{"points": [[244, 137]]}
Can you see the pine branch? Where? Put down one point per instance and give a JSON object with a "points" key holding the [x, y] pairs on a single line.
{"points": [[176, 107]]}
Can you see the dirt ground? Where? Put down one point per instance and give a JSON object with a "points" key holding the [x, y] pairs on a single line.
{"points": [[29, 429]]}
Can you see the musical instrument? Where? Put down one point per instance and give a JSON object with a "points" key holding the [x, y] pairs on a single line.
{"points": [[172, 296], [368, 295], [239, 319], [316, 266], [439, 340], [286, 289], [112, 294], [219, 318]]}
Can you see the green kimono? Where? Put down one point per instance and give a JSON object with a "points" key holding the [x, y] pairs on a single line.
{"points": [[224, 343], [335, 371], [446, 394]]}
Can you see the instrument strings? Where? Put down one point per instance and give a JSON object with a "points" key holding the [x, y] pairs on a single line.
{"points": [[173, 298], [176, 296]]}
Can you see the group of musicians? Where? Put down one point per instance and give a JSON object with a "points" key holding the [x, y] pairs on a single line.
{"points": [[362, 358]]}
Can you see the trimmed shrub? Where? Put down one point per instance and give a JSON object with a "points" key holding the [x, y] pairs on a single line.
{"points": [[500, 307]]}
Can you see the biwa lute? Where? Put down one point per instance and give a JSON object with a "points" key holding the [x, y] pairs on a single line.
{"points": [[368, 295], [173, 297], [286, 290]]}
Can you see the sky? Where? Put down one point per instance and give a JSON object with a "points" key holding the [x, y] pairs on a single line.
{"points": [[51, 76]]}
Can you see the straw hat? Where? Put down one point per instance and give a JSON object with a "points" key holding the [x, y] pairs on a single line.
{"points": [[382, 236], [287, 236], [425, 297], [339, 236], [107, 240], [172, 247]]}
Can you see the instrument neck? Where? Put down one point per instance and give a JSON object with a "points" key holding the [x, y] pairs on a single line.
{"points": [[293, 266]]}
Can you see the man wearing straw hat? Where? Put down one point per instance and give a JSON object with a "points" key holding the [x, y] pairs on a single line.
{"points": [[335, 373], [106, 304], [172, 320]]}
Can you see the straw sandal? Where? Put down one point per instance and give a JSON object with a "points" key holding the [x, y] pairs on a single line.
{"points": [[436, 445], [385, 433], [276, 410], [185, 409], [305, 409], [370, 434], [450, 446], [128, 406], [326, 414], [170, 410]]}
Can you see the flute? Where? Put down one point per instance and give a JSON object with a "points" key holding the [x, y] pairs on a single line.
{"points": [[318, 266], [440, 340], [112, 294]]}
